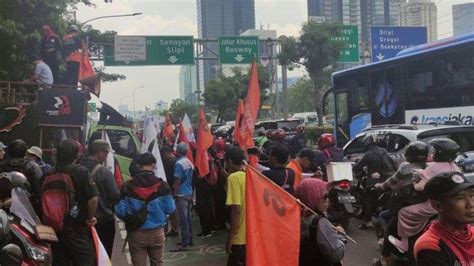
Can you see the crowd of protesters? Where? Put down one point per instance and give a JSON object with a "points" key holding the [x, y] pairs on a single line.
{"points": [[153, 209]]}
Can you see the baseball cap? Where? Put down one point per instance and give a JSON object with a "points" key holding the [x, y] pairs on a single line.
{"points": [[35, 151], [446, 184], [3, 146]]}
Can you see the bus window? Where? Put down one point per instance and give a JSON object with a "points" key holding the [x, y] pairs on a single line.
{"points": [[458, 80], [359, 91], [342, 112], [387, 101], [420, 86]]}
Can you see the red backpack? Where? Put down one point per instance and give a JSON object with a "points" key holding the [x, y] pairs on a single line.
{"points": [[57, 198]]}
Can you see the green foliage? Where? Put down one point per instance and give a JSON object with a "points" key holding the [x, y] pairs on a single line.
{"points": [[179, 107], [20, 33], [313, 132], [317, 53], [222, 94], [298, 100]]}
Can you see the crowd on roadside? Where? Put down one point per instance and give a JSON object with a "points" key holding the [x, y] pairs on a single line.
{"points": [[153, 209]]}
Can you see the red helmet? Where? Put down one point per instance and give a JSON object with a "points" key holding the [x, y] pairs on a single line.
{"points": [[219, 143], [326, 140], [279, 134]]}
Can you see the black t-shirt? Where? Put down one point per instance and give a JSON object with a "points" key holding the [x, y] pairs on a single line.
{"points": [[84, 186], [284, 177], [50, 43]]}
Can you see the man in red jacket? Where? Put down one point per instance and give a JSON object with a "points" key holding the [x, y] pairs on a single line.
{"points": [[450, 240]]}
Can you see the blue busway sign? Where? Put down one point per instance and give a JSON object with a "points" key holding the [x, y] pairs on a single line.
{"points": [[388, 41]]}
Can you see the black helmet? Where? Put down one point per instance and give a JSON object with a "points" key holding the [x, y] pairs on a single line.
{"points": [[369, 140], [445, 149], [417, 152]]}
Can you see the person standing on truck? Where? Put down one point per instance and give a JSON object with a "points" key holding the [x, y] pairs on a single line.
{"points": [[108, 192], [42, 75], [50, 50], [72, 46]]}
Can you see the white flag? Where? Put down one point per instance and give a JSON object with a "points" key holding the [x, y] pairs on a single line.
{"points": [[152, 127], [109, 163], [188, 128]]}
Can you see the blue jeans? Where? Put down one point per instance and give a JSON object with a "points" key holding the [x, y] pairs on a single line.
{"points": [[184, 206]]}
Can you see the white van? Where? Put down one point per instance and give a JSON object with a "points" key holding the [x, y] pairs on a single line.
{"points": [[309, 118]]}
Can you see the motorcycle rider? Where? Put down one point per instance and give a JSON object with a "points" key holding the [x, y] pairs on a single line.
{"points": [[378, 166], [16, 161], [298, 142], [404, 193], [414, 218], [328, 152]]}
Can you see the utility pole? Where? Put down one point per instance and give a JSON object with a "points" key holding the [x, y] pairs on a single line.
{"points": [[284, 87]]}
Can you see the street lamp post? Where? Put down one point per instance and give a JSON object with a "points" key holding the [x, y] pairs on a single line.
{"points": [[102, 17], [111, 16]]}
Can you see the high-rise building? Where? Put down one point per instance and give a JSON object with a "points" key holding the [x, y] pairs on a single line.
{"points": [[221, 18], [462, 18], [420, 13], [187, 83], [321, 11], [378, 13]]}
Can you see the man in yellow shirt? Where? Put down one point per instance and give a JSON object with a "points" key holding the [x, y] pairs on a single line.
{"points": [[304, 162], [235, 245]]}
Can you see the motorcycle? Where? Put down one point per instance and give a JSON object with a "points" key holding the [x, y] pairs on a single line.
{"points": [[341, 202], [339, 193], [27, 232], [365, 186]]}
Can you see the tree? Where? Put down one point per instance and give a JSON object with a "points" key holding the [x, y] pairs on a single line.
{"points": [[179, 107], [222, 94], [317, 53], [20, 33], [298, 100]]}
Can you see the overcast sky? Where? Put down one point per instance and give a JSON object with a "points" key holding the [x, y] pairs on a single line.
{"points": [[178, 17]]}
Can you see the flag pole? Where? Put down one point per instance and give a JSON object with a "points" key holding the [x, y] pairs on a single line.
{"points": [[296, 199]]}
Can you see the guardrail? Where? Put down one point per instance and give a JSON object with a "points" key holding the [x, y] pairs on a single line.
{"points": [[13, 92]]}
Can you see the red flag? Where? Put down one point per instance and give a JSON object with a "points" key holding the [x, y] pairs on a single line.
{"points": [[238, 121], [87, 77], [204, 141], [251, 107], [184, 138], [168, 129], [85, 67], [272, 216]]}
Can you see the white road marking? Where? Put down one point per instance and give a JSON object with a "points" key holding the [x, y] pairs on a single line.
{"points": [[129, 258]]}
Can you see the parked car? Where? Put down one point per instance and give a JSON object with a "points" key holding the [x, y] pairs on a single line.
{"points": [[396, 138]]}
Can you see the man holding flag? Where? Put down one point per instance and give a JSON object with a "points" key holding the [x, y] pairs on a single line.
{"points": [[204, 191]]}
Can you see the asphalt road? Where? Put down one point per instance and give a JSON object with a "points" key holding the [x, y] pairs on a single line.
{"points": [[210, 251]]}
